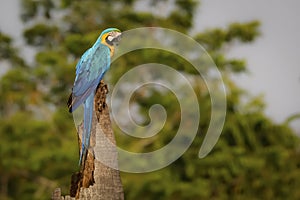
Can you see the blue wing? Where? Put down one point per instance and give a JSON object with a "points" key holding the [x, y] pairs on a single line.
{"points": [[89, 71]]}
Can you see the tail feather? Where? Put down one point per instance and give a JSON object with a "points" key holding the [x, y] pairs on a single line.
{"points": [[70, 102], [87, 126], [75, 101]]}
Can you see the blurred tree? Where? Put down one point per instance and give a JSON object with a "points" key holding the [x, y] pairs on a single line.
{"points": [[254, 158], [36, 138]]}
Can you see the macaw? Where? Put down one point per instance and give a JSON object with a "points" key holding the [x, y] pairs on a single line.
{"points": [[89, 71]]}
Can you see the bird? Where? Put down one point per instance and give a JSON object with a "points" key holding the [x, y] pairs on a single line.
{"points": [[90, 70]]}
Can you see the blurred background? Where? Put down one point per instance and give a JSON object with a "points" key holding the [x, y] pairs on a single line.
{"points": [[255, 46]]}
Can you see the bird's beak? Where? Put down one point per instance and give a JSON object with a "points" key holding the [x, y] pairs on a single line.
{"points": [[117, 38]]}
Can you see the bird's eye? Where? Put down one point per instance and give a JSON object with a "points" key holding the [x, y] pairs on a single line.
{"points": [[110, 38]]}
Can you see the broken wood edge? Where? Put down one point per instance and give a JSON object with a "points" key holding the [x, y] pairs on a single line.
{"points": [[95, 180]]}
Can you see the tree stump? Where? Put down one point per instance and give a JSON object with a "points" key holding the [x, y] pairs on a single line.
{"points": [[95, 180]]}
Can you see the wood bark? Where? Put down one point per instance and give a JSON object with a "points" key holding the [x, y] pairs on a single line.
{"points": [[96, 180]]}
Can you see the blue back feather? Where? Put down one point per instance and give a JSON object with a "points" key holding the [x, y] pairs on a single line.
{"points": [[89, 71]]}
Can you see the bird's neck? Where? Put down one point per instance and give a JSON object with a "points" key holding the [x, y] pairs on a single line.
{"points": [[112, 49]]}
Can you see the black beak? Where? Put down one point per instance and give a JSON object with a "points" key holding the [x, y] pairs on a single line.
{"points": [[117, 39]]}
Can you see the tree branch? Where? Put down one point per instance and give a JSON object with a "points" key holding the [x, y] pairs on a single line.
{"points": [[96, 180]]}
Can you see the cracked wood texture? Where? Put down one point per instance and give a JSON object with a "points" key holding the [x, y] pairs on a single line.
{"points": [[95, 180]]}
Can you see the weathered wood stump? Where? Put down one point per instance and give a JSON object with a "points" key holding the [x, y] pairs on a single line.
{"points": [[96, 180]]}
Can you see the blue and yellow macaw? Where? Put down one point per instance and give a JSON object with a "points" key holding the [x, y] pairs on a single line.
{"points": [[89, 71]]}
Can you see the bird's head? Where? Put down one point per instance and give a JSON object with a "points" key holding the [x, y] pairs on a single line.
{"points": [[110, 36]]}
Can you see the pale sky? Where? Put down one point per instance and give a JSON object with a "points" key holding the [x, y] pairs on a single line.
{"points": [[273, 60]]}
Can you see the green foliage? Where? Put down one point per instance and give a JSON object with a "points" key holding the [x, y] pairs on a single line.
{"points": [[13, 85], [187, 6], [7, 52], [215, 39], [245, 32], [31, 8], [40, 34], [76, 44], [5, 49], [32, 153], [255, 158], [243, 165]]}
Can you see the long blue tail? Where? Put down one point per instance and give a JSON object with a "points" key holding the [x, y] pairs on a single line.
{"points": [[87, 125]]}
